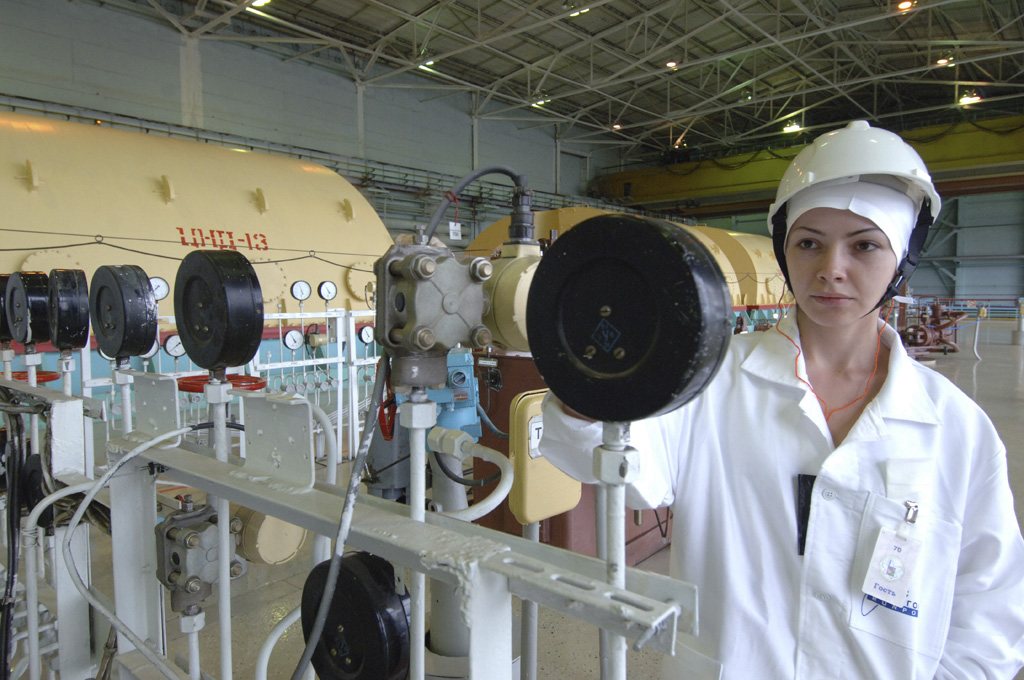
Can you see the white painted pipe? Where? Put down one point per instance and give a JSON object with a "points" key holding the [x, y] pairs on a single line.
{"points": [[601, 546], [29, 539], [616, 573], [418, 584], [263, 657], [193, 656], [34, 418], [322, 544], [126, 408], [225, 544], [528, 639]]}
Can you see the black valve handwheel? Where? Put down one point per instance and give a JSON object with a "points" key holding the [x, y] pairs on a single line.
{"points": [[218, 306], [366, 634], [28, 308], [68, 299], [123, 311], [627, 317]]}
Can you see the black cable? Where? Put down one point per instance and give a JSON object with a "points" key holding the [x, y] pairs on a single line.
{"points": [[209, 425], [487, 421], [462, 480], [14, 459]]}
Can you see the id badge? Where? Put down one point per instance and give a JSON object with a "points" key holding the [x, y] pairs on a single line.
{"points": [[891, 569]]}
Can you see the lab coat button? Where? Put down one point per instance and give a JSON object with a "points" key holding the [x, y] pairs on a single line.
{"points": [[828, 494]]}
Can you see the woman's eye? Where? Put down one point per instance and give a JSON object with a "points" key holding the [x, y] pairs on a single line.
{"points": [[867, 246], [805, 243]]}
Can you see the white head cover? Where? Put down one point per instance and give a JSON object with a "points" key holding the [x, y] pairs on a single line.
{"points": [[892, 211]]}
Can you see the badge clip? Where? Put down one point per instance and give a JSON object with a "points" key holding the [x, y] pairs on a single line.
{"points": [[911, 517]]}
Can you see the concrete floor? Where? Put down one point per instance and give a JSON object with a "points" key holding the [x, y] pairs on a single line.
{"points": [[567, 649]]}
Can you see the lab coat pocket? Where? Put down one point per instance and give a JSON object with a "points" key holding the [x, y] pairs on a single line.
{"points": [[923, 622]]}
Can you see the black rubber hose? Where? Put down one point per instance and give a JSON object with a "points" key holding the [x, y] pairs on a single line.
{"points": [[520, 181], [487, 421]]}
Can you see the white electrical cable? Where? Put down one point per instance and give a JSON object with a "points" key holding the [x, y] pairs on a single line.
{"points": [[161, 662], [494, 499], [263, 658]]}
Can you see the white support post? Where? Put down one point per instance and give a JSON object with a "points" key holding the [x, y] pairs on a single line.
{"points": [[74, 652], [138, 595], [489, 613], [217, 397], [615, 465], [418, 415]]}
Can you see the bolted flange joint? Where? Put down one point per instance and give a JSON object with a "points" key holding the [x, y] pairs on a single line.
{"points": [[616, 466]]}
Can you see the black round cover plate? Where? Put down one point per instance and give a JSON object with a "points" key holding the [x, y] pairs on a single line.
{"points": [[627, 317], [5, 328], [366, 635], [68, 298], [27, 307], [218, 306], [123, 310]]}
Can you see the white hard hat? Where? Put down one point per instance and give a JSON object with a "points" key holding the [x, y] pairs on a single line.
{"points": [[862, 153]]}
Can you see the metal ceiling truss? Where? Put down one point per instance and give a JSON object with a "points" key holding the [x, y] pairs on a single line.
{"points": [[744, 68]]}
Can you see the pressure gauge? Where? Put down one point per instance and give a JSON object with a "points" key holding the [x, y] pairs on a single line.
{"points": [[366, 334], [301, 290], [293, 338], [327, 290], [152, 350], [173, 346], [160, 287]]}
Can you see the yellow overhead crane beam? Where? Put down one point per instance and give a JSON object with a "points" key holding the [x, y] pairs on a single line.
{"points": [[962, 157]]}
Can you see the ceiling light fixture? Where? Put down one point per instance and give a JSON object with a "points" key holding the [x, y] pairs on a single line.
{"points": [[616, 126], [970, 97], [260, 3], [671, 64], [792, 127], [582, 11], [906, 5]]}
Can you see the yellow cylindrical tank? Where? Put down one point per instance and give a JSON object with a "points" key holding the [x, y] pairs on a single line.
{"points": [[82, 196], [758, 276], [746, 260]]}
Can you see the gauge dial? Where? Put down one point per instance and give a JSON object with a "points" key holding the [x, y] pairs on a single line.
{"points": [[174, 347], [293, 339], [152, 350], [327, 290], [301, 290], [366, 334], [160, 287]]}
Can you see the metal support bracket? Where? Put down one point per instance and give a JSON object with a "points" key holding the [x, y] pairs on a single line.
{"points": [[648, 611], [279, 441]]}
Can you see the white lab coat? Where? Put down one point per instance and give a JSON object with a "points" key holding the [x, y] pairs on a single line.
{"points": [[727, 464]]}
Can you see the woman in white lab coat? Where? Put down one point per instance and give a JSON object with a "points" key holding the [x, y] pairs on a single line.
{"points": [[844, 511]]}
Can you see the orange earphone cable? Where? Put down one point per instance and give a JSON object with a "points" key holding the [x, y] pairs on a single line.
{"points": [[867, 387]]}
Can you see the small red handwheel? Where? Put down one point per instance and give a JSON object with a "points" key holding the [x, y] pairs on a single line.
{"points": [[41, 376], [197, 383]]}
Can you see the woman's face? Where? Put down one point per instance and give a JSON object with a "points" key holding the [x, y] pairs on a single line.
{"points": [[840, 265]]}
